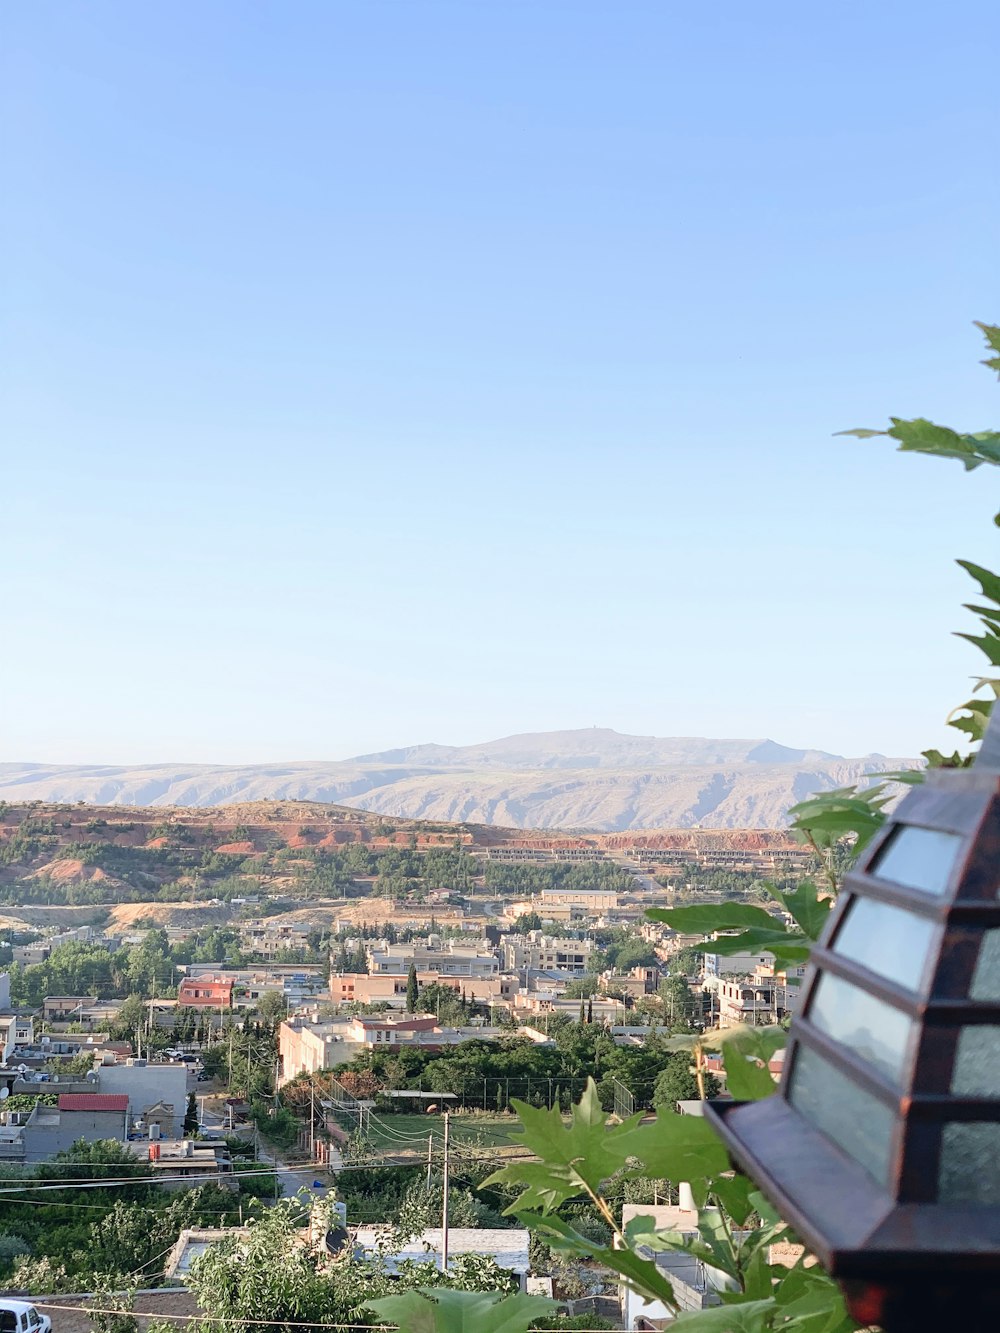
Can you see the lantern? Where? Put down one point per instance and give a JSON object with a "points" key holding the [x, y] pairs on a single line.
{"points": [[881, 1147]]}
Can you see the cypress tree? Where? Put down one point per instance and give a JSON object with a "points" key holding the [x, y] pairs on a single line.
{"points": [[411, 989]]}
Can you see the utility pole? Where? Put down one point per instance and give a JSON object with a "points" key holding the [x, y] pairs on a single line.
{"points": [[430, 1159], [444, 1203], [312, 1120]]}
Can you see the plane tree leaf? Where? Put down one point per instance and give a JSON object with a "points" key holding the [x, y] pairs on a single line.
{"points": [[804, 905], [704, 918], [575, 1157], [642, 1275], [444, 1310], [676, 1147], [745, 1055]]}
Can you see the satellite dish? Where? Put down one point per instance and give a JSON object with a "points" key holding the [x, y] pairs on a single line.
{"points": [[4, 1092]]}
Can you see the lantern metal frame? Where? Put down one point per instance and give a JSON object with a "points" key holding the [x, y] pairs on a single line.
{"points": [[864, 1231]]}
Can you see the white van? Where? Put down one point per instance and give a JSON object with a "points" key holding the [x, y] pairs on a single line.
{"points": [[21, 1317]]}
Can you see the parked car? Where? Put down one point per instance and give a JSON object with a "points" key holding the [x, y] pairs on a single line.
{"points": [[22, 1317]]}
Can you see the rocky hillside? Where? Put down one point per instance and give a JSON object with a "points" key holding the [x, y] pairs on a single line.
{"points": [[592, 779]]}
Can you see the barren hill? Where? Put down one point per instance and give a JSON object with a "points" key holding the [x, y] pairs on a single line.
{"points": [[588, 779]]}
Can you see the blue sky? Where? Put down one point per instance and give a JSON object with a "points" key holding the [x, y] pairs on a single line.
{"points": [[404, 370]]}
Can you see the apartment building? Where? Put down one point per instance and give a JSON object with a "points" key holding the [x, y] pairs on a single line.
{"points": [[269, 938], [155, 1092], [307, 1046], [206, 992], [592, 900], [449, 958], [297, 982], [390, 987], [755, 1001], [545, 953]]}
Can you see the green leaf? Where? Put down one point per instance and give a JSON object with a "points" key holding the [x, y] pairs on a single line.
{"points": [[827, 818], [788, 948], [804, 905], [745, 1055], [919, 435], [764, 1208], [443, 1310], [861, 432], [935, 759], [676, 1147], [992, 334], [705, 918], [710, 1244], [988, 644], [811, 1302], [642, 1275], [733, 1192], [752, 1317], [575, 1158]]}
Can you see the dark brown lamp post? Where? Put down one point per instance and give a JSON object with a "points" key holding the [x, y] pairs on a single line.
{"points": [[882, 1146]]}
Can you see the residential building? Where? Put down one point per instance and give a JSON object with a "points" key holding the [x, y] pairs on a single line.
{"points": [[636, 983], [297, 982], [207, 992], [507, 1247], [78, 1115], [696, 1285], [191, 1244], [592, 900], [307, 1046], [739, 1001], [542, 952], [157, 1093], [269, 937], [541, 1002], [448, 958], [61, 1011], [15, 1030], [390, 987], [177, 1163]]}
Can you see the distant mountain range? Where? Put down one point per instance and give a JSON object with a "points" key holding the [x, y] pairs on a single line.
{"points": [[594, 779]]}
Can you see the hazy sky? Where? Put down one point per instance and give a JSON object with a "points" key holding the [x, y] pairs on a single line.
{"points": [[381, 371]]}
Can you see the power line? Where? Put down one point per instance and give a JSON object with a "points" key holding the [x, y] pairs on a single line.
{"points": [[230, 1319]]}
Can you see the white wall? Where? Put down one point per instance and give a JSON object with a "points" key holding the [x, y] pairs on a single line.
{"points": [[146, 1084]]}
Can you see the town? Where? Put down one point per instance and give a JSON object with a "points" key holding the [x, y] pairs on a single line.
{"points": [[346, 1053]]}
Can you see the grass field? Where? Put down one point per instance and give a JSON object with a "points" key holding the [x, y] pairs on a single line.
{"points": [[409, 1133]]}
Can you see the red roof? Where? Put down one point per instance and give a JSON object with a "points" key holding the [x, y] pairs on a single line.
{"points": [[93, 1101]]}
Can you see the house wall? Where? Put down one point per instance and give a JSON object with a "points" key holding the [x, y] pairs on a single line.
{"points": [[145, 1085]]}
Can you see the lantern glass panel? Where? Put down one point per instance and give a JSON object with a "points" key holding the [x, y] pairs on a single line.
{"points": [[848, 1114], [986, 978], [918, 858], [887, 940], [873, 1030], [976, 1072], [970, 1163]]}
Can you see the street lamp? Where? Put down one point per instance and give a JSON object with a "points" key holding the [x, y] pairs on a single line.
{"points": [[882, 1146]]}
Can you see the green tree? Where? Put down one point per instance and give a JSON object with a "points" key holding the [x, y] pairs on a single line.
{"points": [[411, 989], [191, 1116], [679, 1083]]}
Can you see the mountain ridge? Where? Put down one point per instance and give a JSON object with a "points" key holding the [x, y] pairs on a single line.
{"points": [[592, 779]]}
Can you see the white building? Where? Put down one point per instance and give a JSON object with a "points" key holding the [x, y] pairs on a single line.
{"points": [[545, 953], [448, 958], [508, 1248], [161, 1088]]}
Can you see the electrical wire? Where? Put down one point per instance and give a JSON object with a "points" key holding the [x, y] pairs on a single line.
{"points": [[230, 1319]]}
